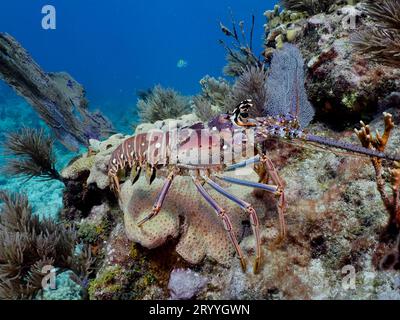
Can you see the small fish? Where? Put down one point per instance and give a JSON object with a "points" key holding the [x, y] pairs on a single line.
{"points": [[181, 64]]}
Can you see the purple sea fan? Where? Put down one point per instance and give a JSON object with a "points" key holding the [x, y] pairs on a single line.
{"points": [[285, 85], [184, 284]]}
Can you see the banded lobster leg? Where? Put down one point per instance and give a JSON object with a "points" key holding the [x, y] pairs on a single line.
{"points": [[274, 189], [252, 214], [273, 174], [268, 172], [160, 200], [225, 219], [243, 164]]}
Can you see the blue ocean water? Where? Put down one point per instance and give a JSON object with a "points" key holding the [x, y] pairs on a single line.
{"points": [[115, 48]]}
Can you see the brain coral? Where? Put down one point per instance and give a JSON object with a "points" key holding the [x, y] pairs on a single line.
{"points": [[202, 232]]}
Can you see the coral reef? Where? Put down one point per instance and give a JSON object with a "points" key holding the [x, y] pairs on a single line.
{"points": [[342, 85], [380, 41], [336, 211], [33, 155], [162, 104], [129, 271], [28, 245], [57, 97], [335, 217]]}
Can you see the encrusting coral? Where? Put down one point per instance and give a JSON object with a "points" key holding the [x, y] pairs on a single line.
{"points": [[94, 162], [280, 27], [381, 41], [162, 104], [28, 244], [379, 142], [202, 233], [82, 164], [33, 152]]}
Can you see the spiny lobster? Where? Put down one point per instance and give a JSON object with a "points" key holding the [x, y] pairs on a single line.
{"points": [[195, 146], [205, 151]]}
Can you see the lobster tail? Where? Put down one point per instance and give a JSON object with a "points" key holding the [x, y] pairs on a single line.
{"points": [[349, 147]]}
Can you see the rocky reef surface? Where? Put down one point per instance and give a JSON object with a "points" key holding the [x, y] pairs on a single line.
{"points": [[342, 85]]}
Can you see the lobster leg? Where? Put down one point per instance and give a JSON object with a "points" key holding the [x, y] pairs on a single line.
{"points": [[275, 189], [160, 200], [225, 219], [273, 174], [252, 214], [269, 188], [243, 164], [114, 184]]}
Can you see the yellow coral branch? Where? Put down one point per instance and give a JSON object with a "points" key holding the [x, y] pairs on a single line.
{"points": [[379, 142]]}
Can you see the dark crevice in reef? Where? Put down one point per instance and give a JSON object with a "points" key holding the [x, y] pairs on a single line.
{"points": [[340, 118], [79, 198], [163, 260]]}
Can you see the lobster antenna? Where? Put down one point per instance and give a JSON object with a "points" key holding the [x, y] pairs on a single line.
{"points": [[350, 147]]}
